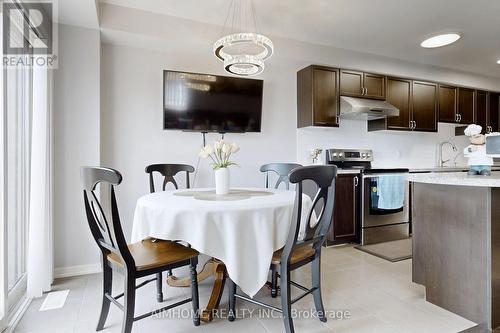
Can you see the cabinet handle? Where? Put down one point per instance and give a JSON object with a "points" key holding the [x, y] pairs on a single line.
{"points": [[366, 91], [459, 118], [356, 181], [414, 124]]}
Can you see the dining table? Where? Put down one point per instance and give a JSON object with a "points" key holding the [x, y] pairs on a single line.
{"points": [[240, 230]]}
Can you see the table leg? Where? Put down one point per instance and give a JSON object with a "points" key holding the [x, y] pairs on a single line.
{"points": [[212, 267], [207, 271], [213, 302]]}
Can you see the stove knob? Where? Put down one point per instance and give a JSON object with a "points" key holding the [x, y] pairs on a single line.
{"points": [[363, 155], [341, 154], [334, 154]]}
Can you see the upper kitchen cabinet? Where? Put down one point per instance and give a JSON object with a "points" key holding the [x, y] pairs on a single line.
{"points": [[318, 97], [363, 85], [494, 114], [417, 102], [483, 110], [399, 95], [465, 109], [447, 104], [424, 106]]}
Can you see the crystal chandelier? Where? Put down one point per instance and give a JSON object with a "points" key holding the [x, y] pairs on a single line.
{"points": [[243, 53]]}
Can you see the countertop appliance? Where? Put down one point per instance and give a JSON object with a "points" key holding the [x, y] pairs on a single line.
{"points": [[379, 223]]}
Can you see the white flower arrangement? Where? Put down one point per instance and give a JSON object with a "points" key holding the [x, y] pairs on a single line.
{"points": [[314, 154], [220, 153]]}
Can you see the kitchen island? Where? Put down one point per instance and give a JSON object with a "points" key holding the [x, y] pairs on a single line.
{"points": [[456, 243]]}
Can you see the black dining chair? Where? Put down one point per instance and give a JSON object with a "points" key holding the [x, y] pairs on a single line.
{"points": [[297, 253], [134, 261], [282, 169], [168, 171]]}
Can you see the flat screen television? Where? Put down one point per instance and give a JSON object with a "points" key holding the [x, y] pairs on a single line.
{"points": [[211, 103]]}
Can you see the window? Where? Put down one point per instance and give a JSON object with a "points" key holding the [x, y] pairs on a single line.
{"points": [[18, 103]]}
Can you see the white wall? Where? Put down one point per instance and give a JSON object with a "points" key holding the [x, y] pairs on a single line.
{"points": [[132, 121], [76, 142], [391, 149]]}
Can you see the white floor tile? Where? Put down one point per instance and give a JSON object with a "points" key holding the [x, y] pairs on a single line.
{"points": [[369, 294]]}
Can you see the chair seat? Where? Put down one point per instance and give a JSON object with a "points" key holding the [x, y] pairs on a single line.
{"points": [[148, 254], [299, 254]]}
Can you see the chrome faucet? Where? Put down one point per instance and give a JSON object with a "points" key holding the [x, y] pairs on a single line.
{"points": [[441, 145]]}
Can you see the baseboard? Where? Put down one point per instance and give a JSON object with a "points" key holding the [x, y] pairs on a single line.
{"points": [[63, 272]]}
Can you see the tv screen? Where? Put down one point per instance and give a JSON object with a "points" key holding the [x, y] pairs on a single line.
{"points": [[212, 103]]}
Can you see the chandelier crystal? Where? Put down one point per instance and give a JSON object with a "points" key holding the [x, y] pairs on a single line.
{"points": [[243, 53]]}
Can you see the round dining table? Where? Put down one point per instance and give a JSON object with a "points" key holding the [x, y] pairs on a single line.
{"points": [[241, 229]]}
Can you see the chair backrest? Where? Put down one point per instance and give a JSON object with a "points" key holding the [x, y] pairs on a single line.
{"points": [[104, 220], [324, 177], [282, 169], [168, 171]]}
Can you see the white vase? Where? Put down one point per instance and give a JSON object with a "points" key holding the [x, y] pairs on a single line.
{"points": [[222, 181]]}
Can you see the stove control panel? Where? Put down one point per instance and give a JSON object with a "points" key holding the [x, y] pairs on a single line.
{"points": [[349, 155]]}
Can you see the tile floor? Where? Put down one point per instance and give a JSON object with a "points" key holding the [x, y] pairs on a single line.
{"points": [[378, 296]]}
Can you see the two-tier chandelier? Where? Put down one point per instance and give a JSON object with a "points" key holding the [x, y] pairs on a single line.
{"points": [[243, 53]]}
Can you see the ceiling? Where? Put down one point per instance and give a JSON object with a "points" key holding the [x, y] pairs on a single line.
{"points": [[392, 28]]}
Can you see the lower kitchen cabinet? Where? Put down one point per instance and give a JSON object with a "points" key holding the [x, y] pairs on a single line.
{"points": [[345, 226]]}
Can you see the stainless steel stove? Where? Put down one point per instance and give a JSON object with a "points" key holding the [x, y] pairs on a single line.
{"points": [[383, 207]]}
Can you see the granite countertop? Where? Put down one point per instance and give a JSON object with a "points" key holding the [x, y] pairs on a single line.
{"points": [[456, 178], [348, 171], [439, 169]]}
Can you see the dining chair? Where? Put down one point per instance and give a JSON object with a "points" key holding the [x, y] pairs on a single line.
{"points": [[134, 261], [282, 169], [297, 253], [168, 171]]}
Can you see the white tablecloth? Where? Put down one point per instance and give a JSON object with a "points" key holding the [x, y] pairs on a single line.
{"points": [[242, 233]]}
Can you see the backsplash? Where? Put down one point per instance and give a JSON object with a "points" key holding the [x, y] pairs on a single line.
{"points": [[390, 148]]}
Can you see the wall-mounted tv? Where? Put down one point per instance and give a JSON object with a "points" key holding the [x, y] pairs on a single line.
{"points": [[211, 103]]}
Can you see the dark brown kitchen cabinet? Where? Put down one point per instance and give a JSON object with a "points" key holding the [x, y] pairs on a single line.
{"points": [[345, 226], [417, 102], [465, 109], [399, 95], [447, 104], [318, 97], [483, 110], [424, 106], [494, 112], [360, 84]]}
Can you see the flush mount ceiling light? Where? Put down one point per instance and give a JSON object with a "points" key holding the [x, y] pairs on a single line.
{"points": [[498, 61], [243, 53], [440, 40]]}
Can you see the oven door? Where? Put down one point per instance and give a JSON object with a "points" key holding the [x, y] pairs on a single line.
{"points": [[375, 214]]}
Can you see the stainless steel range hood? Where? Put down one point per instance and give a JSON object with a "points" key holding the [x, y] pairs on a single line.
{"points": [[366, 109]]}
